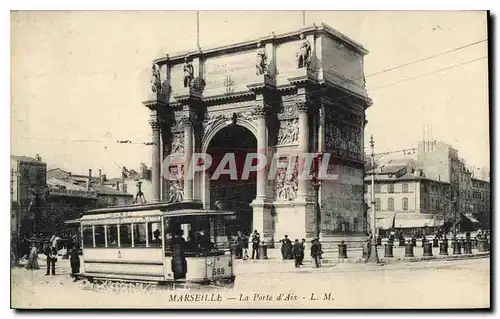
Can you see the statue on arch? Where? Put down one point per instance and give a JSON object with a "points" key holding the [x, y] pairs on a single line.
{"points": [[155, 79], [304, 53], [188, 72], [261, 64]]}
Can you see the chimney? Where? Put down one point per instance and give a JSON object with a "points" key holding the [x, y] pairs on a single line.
{"points": [[123, 183], [100, 177], [143, 171], [90, 179], [117, 185]]}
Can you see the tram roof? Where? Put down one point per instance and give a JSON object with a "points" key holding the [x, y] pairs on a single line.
{"points": [[150, 210], [163, 206]]}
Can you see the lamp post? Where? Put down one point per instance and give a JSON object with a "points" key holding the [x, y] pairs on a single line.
{"points": [[373, 258], [316, 183]]}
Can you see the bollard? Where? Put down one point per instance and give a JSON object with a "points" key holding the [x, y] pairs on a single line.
{"points": [[263, 251], [435, 242], [483, 245], [443, 248], [424, 240], [468, 246], [480, 245], [401, 242], [462, 245], [456, 247], [342, 250], [366, 249], [409, 250], [388, 250], [427, 249]]}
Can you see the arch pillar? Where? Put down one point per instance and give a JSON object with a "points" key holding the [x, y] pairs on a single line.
{"points": [[262, 206]]}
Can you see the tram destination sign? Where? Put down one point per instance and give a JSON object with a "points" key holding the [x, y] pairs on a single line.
{"points": [[125, 220]]}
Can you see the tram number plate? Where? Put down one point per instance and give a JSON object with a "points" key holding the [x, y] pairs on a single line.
{"points": [[218, 271]]}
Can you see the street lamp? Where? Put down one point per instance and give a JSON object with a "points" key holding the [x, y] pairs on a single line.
{"points": [[316, 183], [373, 257]]}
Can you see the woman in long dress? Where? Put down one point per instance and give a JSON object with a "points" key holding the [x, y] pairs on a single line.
{"points": [[33, 258]]}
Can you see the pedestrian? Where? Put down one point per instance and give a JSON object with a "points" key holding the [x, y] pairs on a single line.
{"points": [[74, 261], [303, 244], [239, 245], [255, 244], [297, 252], [286, 245], [51, 254], [33, 258], [244, 246], [316, 251]]}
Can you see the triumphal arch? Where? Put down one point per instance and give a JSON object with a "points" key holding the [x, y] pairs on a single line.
{"points": [[293, 93]]}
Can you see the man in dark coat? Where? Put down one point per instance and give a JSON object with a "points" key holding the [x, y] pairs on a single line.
{"points": [[297, 252], [286, 245], [255, 244], [74, 261], [51, 253], [303, 244], [316, 251], [244, 246]]}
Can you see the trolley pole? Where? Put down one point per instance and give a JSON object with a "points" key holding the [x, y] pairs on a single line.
{"points": [[373, 258]]}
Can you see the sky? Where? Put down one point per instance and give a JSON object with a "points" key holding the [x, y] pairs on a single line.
{"points": [[78, 78]]}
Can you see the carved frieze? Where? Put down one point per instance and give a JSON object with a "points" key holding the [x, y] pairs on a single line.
{"points": [[177, 143], [288, 133], [246, 116], [260, 110], [213, 120], [343, 139], [176, 187], [288, 111], [287, 184]]}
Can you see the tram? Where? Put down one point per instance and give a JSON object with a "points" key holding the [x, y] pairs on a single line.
{"points": [[160, 243]]}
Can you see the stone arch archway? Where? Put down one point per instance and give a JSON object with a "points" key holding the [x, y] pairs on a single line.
{"points": [[210, 134], [225, 192]]}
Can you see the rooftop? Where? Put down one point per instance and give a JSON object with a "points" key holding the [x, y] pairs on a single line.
{"points": [[26, 159], [271, 37]]}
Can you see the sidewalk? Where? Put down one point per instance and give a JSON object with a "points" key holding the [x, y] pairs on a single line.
{"points": [[355, 255]]}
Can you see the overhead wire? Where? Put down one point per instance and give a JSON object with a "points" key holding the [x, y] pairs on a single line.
{"points": [[312, 91]]}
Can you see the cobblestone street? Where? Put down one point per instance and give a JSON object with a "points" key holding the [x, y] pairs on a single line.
{"points": [[434, 284]]}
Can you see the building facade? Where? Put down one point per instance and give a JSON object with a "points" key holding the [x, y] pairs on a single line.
{"points": [[407, 200], [27, 192], [481, 201], [106, 196], [294, 93]]}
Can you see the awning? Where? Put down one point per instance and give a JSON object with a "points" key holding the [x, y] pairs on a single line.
{"points": [[385, 223], [417, 223], [72, 221], [472, 219]]}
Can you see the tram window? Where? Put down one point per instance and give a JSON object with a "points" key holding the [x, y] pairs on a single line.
{"points": [[154, 232], [100, 240], [88, 238], [140, 235], [126, 235], [112, 235]]}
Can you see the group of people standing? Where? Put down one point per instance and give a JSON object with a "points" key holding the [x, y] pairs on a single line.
{"points": [[242, 243], [296, 251], [50, 250]]}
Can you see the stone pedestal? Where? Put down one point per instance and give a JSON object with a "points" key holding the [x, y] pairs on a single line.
{"points": [[262, 220]]}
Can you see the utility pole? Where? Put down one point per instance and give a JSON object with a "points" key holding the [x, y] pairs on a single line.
{"points": [[373, 258]]}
